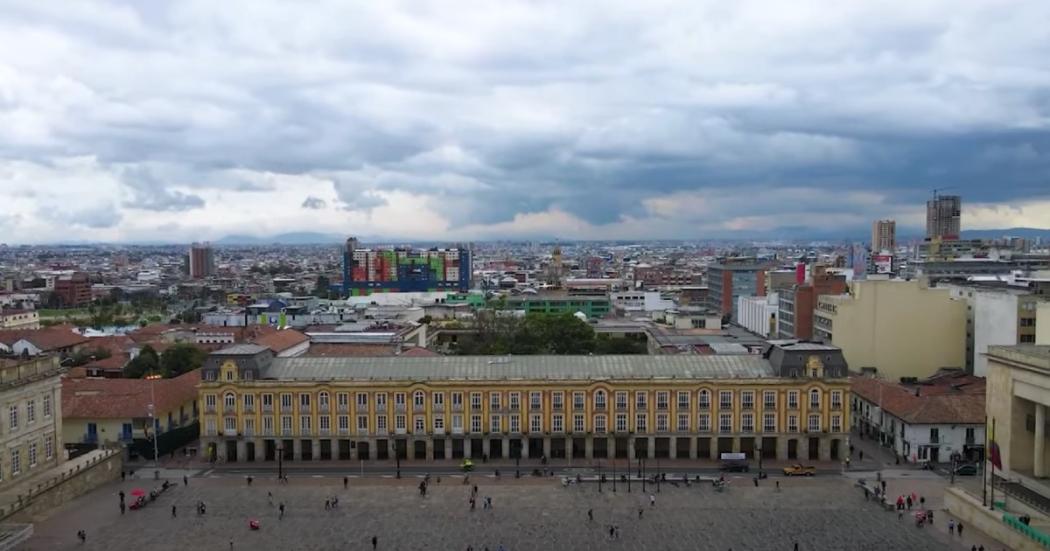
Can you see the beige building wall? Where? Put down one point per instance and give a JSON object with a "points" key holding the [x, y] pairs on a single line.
{"points": [[901, 328], [109, 431], [1042, 323], [1018, 383], [30, 418]]}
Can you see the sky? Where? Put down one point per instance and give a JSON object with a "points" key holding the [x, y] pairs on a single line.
{"points": [[193, 120]]}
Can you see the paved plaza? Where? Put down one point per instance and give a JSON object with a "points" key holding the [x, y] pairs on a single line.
{"points": [[820, 514]]}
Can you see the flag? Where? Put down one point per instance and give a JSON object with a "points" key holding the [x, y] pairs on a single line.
{"points": [[994, 456]]}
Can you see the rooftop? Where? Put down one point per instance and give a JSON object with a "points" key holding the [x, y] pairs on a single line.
{"points": [[1034, 355], [91, 398], [946, 398], [519, 367], [242, 350]]}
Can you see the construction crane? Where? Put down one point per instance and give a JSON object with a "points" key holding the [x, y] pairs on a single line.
{"points": [[938, 189]]}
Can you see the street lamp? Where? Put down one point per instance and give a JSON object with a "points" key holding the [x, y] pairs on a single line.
{"points": [[658, 473], [614, 471], [153, 415], [396, 445], [760, 461], [599, 475]]}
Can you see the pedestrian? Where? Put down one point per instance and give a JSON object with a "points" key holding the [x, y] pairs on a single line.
{"points": [[959, 527], [908, 501], [185, 481], [231, 545], [616, 532], [280, 508], [980, 548], [883, 486], [250, 480], [796, 546], [375, 542], [640, 511], [475, 491], [851, 449], [123, 475], [922, 502], [652, 500], [590, 515], [973, 548], [611, 531], [847, 463], [327, 504], [778, 485], [862, 455], [82, 536], [122, 507], [269, 498], [172, 511], [488, 501], [755, 480], [346, 482], [951, 527], [900, 514], [121, 494]]}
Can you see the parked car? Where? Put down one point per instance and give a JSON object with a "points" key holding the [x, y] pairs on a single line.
{"points": [[800, 470], [968, 469]]}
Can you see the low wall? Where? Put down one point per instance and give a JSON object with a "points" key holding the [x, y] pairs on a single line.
{"points": [[970, 511], [68, 484]]}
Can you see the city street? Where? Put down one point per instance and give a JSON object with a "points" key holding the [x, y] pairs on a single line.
{"points": [[821, 513]]}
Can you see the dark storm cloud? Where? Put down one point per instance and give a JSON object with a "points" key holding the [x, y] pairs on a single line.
{"points": [[591, 109]]}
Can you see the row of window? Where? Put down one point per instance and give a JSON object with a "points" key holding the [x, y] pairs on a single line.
{"points": [[14, 464], [600, 400], [662, 423], [14, 412]]}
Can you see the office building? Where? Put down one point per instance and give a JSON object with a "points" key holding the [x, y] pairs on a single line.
{"points": [[202, 261], [72, 290], [796, 305], [32, 419], [17, 318], [402, 269], [732, 279], [789, 403], [894, 328], [1000, 314], [883, 236], [943, 217], [759, 314]]}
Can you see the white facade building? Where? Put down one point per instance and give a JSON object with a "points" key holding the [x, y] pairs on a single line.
{"points": [[759, 314], [640, 302]]}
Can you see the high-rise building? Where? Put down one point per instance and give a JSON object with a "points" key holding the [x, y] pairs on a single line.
{"points": [[73, 289], [795, 316], [943, 217], [883, 236], [202, 261], [732, 279], [392, 270]]}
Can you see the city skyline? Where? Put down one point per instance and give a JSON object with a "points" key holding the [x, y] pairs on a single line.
{"points": [[120, 123]]}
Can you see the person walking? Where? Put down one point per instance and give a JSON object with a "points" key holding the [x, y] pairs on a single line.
{"points": [[755, 480], [281, 509], [862, 455], [185, 480], [590, 515], [250, 480], [951, 527], [959, 528], [122, 506], [375, 543], [611, 531], [172, 511], [346, 482], [778, 485], [269, 498], [908, 501], [640, 511], [652, 500], [82, 536], [327, 504]]}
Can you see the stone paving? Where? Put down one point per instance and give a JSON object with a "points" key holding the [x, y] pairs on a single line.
{"points": [[820, 514]]}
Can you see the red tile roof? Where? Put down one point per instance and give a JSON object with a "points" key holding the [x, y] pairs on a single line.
{"points": [[279, 341], [124, 398], [419, 352], [52, 338], [947, 400]]}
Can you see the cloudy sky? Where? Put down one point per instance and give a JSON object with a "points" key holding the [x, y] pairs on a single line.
{"points": [[460, 120]]}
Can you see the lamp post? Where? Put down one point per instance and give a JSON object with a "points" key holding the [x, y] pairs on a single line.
{"points": [[658, 473], [599, 475], [759, 461], [397, 456], [614, 470], [153, 415]]}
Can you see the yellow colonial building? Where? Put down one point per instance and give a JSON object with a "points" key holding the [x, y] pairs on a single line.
{"points": [[789, 403]]}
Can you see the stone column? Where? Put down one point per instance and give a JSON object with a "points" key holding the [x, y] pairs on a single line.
{"points": [[486, 449], [467, 446], [297, 449], [506, 447], [568, 449], [317, 449], [825, 448], [1039, 469], [430, 449], [260, 449], [448, 447], [373, 449], [652, 447], [589, 447], [547, 447], [736, 444], [692, 448], [713, 449], [782, 448], [242, 451], [630, 447]]}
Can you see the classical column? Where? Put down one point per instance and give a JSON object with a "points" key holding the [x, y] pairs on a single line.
{"points": [[568, 448], [317, 449], [485, 447], [547, 447], [297, 449], [652, 447], [467, 446], [373, 450], [506, 447], [242, 451], [630, 447], [260, 449], [1040, 440], [692, 448], [589, 447], [448, 448], [782, 448], [430, 449], [524, 448]]}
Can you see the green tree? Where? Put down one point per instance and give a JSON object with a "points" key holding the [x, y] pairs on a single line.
{"points": [[321, 287], [181, 358], [84, 357], [145, 363]]}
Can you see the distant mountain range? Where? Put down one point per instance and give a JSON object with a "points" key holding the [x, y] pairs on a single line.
{"points": [[294, 238], [1027, 233]]}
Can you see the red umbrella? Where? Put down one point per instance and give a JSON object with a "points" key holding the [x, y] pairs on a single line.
{"points": [[138, 492]]}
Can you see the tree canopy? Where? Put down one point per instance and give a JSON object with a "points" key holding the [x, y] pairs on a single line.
{"points": [[558, 334]]}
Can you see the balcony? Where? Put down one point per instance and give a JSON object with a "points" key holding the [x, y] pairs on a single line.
{"points": [[558, 407], [577, 407], [322, 408], [229, 410], [515, 407], [90, 439], [249, 432], [599, 407], [792, 405], [249, 409], [535, 407], [438, 408], [286, 431], [267, 432], [344, 432], [661, 407], [836, 406], [229, 432], [324, 432], [209, 409], [267, 409], [458, 408], [457, 430], [418, 408], [304, 409], [305, 432], [401, 431], [381, 432], [935, 439], [622, 407], [438, 432], [345, 408]]}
